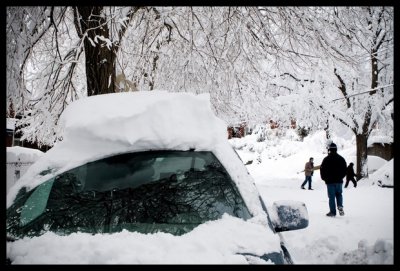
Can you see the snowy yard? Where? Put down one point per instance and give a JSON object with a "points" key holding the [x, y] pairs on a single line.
{"points": [[344, 239], [364, 235]]}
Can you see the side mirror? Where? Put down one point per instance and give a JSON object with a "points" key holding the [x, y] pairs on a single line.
{"points": [[288, 215]]}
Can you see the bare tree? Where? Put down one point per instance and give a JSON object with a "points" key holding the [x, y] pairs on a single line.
{"points": [[26, 26], [255, 62]]}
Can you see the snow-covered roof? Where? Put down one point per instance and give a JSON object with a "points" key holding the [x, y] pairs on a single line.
{"points": [[147, 119], [379, 139]]}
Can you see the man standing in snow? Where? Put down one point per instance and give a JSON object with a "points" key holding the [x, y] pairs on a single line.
{"points": [[333, 170], [308, 172]]}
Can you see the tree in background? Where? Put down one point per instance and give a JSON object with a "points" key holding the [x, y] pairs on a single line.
{"points": [[220, 50], [101, 30], [258, 63], [45, 67], [26, 27], [369, 31], [348, 78], [364, 96]]}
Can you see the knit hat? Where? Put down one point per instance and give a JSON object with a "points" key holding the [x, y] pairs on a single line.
{"points": [[332, 146]]}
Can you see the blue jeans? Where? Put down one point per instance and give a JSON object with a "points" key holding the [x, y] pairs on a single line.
{"points": [[335, 196], [308, 179]]}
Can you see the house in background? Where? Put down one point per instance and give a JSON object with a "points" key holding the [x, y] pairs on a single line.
{"points": [[10, 128], [13, 137], [20, 154], [381, 146], [238, 131]]}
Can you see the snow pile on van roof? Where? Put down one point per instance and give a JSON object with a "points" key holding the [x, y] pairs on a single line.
{"points": [[145, 120]]}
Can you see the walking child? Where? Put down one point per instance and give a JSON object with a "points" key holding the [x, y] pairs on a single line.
{"points": [[350, 176]]}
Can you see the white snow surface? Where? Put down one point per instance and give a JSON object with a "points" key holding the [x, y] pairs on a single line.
{"points": [[384, 175], [363, 236], [23, 155], [209, 243]]}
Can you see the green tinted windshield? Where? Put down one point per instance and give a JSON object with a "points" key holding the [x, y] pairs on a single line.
{"points": [[169, 191]]}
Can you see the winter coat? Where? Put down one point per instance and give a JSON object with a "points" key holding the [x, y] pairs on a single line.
{"points": [[308, 169], [350, 173], [333, 168]]}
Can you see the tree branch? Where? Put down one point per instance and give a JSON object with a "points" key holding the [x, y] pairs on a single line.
{"points": [[365, 92], [124, 27], [342, 88]]}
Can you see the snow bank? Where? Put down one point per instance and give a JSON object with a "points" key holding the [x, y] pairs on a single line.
{"points": [[384, 175], [209, 243], [379, 253]]}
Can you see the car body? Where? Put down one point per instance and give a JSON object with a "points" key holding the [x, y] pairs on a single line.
{"points": [[146, 177]]}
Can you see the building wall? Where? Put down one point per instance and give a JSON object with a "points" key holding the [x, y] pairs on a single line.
{"points": [[236, 131], [9, 138], [384, 150]]}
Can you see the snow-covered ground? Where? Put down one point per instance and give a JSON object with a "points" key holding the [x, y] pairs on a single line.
{"points": [[364, 235]]}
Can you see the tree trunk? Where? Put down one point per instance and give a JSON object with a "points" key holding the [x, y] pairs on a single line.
{"points": [[374, 71], [327, 133], [362, 156], [100, 59], [362, 139]]}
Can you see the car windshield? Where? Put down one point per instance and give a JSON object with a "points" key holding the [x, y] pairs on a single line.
{"points": [[147, 192]]}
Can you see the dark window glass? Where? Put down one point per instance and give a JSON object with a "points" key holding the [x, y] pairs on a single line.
{"points": [[169, 191]]}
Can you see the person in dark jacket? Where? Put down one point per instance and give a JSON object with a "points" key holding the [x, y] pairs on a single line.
{"points": [[308, 172], [333, 170], [350, 176]]}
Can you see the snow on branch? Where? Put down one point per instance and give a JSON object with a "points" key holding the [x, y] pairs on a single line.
{"points": [[365, 92]]}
